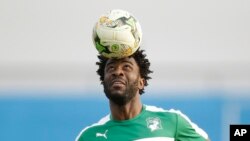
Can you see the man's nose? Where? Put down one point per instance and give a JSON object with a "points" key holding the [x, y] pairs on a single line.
{"points": [[118, 71]]}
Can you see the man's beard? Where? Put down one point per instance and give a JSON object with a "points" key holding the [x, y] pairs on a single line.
{"points": [[122, 99]]}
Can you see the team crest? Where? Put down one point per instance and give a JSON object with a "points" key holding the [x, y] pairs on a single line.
{"points": [[154, 123]]}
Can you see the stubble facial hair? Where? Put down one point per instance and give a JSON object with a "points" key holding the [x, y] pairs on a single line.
{"points": [[122, 99]]}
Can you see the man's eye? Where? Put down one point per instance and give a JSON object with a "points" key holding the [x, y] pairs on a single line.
{"points": [[110, 68], [127, 66]]}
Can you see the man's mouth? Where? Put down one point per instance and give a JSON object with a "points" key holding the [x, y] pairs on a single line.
{"points": [[117, 83]]}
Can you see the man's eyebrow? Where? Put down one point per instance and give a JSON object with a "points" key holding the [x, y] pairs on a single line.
{"points": [[123, 61], [110, 62]]}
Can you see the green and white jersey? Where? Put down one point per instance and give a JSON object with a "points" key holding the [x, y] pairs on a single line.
{"points": [[152, 124]]}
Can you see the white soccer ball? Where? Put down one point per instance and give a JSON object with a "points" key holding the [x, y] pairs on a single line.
{"points": [[117, 34]]}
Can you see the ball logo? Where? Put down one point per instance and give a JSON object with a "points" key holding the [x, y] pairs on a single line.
{"points": [[115, 48]]}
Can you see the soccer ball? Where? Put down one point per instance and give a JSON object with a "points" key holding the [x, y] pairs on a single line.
{"points": [[117, 34]]}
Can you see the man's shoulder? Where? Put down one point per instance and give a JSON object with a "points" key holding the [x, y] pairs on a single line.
{"points": [[169, 116], [92, 128], [176, 117], [155, 109]]}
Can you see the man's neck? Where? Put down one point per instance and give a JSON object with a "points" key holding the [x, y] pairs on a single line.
{"points": [[127, 111]]}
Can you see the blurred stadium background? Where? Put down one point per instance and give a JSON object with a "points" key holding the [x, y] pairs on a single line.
{"points": [[49, 90]]}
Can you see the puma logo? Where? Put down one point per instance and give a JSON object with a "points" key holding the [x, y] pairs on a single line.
{"points": [[102, 134]]}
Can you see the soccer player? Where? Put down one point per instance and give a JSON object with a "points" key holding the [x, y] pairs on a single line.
{"points": [[130, 120]]}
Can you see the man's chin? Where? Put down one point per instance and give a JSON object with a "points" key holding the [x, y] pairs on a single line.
{"points": [[118, 98], [117, 93]]}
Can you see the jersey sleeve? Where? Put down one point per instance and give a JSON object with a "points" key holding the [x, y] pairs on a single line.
{"points": [[188, 131]]}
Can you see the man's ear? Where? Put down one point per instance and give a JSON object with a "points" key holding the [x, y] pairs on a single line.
{"points": [[141, 83]]}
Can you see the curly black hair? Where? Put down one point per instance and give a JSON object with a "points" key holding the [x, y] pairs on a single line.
{"points": [[141, 61]]}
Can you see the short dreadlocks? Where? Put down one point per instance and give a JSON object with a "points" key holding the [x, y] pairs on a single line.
{"points": [[141, 61]]}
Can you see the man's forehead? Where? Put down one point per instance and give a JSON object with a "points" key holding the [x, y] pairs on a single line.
{"points": [[127, 59]]}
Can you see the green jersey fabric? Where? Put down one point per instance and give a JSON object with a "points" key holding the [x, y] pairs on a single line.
{"points": [[152, 124]]}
